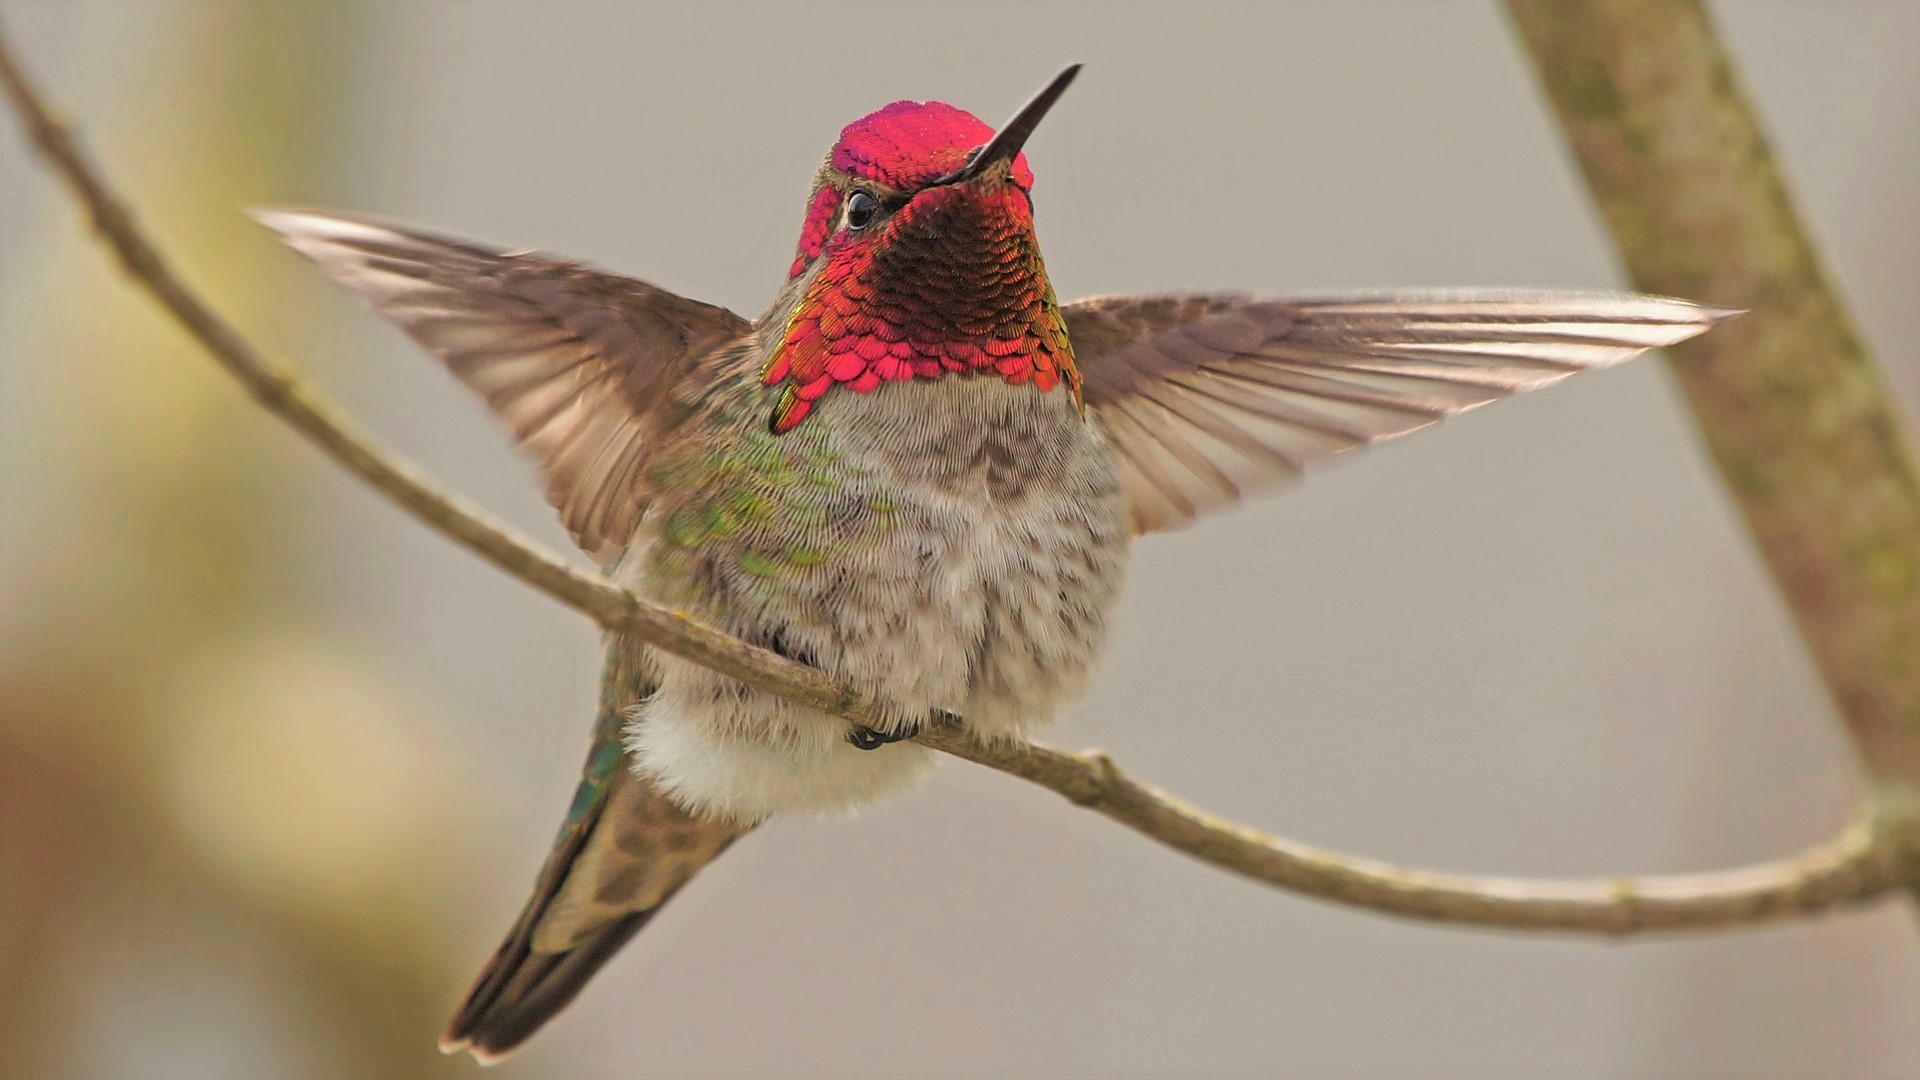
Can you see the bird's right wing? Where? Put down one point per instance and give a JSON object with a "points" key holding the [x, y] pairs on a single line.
{"points": [[576, 362]]}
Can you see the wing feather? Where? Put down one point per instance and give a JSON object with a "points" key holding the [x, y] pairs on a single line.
{"points": [[1209, 397], [575, 362]]}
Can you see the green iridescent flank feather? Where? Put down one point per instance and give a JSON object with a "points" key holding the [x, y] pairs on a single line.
{"points": [[803, 556], [754, 503], [759, 565]]}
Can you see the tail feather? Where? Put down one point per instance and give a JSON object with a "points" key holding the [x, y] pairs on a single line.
{"points": [[597, 892], [623, 852], [520, 991]]}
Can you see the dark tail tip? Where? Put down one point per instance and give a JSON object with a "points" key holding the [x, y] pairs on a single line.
{"points": [[520, 990]]}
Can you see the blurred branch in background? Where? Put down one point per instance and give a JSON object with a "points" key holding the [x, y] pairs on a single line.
{"points": [[1790, 401], [1872, 857]]}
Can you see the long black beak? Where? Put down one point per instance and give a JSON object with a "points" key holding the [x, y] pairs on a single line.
{"points": [[1006, 143]]}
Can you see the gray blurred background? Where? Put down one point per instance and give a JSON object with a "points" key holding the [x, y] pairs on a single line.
{"points": [[277, 765]]}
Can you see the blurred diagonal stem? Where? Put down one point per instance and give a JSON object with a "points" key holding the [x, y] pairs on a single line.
{"points": [[1869, 858], [1789, 400]]}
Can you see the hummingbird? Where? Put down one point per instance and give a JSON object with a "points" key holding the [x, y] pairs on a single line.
{"points": [[916, 471]]}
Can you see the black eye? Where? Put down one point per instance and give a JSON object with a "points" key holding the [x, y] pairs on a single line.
{"points": [[862, 208]]}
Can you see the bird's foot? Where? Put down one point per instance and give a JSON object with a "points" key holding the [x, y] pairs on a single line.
{"points": [[866, 738]]}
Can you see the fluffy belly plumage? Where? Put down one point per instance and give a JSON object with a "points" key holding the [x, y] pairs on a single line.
{"points": [[966, 560]]}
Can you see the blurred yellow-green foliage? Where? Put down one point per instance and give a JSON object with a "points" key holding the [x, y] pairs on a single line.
{"points": [[197, 795]]}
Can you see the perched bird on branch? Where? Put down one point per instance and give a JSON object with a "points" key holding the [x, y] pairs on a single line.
{"points": [[917, 471]]}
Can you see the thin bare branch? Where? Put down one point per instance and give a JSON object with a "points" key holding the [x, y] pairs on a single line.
{"points": [[1866, 860]]}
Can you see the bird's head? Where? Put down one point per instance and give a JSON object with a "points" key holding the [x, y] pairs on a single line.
{"points": [[918, 261]]}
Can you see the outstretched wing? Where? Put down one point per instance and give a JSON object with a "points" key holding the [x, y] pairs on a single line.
{"points": [[576, 362], [1207, 398]]}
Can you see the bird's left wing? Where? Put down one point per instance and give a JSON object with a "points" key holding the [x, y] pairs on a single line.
{"points": [[1206, 398], [576, 362]]}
